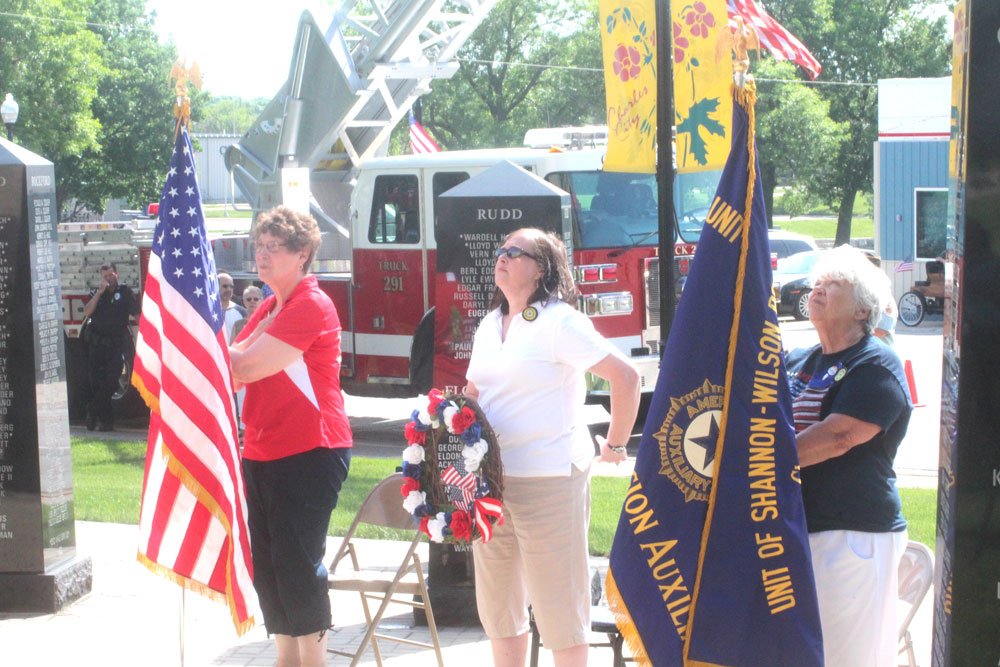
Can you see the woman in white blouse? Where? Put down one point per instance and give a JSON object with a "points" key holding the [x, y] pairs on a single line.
{"points": [[527, 373]]}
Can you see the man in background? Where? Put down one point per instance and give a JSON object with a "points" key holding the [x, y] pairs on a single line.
{"points": [[109, 309], [234, 312]]}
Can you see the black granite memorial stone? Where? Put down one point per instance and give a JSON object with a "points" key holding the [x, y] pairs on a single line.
{"points": [[472, 220], [967, 553], [39, 570]]}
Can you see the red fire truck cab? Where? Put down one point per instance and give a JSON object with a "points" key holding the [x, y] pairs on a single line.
{"points": [[382, 278]]}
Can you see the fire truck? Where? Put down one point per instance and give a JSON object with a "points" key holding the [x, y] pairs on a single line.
{"points": [[318, 146], [383, 280]]}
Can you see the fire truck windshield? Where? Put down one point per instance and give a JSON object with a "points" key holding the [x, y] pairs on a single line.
{"points": [[612, 209]]}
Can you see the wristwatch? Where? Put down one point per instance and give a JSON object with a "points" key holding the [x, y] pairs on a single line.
{"points": [[617, 450]]}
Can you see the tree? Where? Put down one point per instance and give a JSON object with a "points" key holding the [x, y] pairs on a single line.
{"points": [[52, 67], [94, 96], [504, 84], [859, 42], [575, 96], [794, 131], [134, 106], [228, 115]]}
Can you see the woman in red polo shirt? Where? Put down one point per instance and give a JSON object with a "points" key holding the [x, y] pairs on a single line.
{"points": [[297, 442]]}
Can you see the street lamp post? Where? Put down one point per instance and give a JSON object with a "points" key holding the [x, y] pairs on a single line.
{"points": [[9, 110]]}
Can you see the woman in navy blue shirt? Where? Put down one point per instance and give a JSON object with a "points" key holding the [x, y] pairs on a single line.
{"points": [[851, 407]]}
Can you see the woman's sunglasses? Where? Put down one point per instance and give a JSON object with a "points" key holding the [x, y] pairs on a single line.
{"points": [[513, 252]]}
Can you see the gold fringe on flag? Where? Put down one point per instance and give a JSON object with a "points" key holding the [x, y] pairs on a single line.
{"points": [[195, 587], [152, 402], [204, 498], [624, 622]]}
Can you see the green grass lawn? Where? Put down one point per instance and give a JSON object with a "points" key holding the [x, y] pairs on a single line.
{"points": [[824, 223], [107, 480], [224, 211], [826, 228], [920, 511], [607, 493]]}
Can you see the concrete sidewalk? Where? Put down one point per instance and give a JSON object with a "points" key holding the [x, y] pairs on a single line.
{"points": [[133, 617]]}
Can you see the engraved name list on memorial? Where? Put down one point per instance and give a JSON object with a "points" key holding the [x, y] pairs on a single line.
{"points": [[6, 425], [476, 279], [56, 483], [45, 288]]}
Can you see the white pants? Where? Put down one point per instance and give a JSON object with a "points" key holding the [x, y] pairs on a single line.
{"points": [[857, 586]]}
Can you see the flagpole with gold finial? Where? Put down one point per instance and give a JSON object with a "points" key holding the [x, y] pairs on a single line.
{"points": [[182, 74], [739, 43]]}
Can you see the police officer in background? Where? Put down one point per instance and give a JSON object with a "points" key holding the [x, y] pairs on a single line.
{"points": [[109, 309]]}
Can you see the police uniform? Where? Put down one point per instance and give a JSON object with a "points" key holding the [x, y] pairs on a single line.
{"points": [[107, 340]]}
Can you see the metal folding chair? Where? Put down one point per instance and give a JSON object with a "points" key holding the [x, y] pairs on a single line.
{"points": [[601, 621], [406, 585], [916, 574]]}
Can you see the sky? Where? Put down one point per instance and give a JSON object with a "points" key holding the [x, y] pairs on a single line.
{"points": [[243, 47]]}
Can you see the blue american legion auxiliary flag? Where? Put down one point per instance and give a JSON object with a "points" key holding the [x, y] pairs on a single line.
{"points": [[710, 564]]}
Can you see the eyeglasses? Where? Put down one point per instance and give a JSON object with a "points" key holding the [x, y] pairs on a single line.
{"points": [[270, 248], [221, 286], [513, 252]]}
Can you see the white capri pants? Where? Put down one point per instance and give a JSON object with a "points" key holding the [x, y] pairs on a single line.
{"points": [[857, 586]]}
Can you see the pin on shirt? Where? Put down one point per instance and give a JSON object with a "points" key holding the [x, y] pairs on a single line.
{"points": [[530, 314]]}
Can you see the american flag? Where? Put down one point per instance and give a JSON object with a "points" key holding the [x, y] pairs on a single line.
{"points": [[420, 141], [462, 490], [462, 498], [454, 478], [905, 265], [773, 36], [192, 526]]}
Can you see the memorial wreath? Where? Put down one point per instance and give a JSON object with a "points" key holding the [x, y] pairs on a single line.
{"points": [[462, 502]]}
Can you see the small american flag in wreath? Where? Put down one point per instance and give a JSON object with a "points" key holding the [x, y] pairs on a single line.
{"points": [[462, 502]]}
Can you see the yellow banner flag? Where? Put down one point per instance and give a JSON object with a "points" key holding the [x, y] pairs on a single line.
{"points": [[628, 39], [702, 105], [959, 48]]}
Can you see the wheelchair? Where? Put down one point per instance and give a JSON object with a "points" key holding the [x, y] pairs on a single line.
{"points": [[926, 296]]}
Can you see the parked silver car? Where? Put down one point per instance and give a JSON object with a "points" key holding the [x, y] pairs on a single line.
{"points": [[788, 243]]}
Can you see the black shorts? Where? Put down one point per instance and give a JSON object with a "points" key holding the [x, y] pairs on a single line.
{"points": [[289, 501]]}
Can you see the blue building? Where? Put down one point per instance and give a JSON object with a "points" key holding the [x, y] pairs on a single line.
{"points": [[911, 175]]}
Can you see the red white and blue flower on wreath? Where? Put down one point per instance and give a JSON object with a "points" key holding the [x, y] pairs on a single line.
{"points": [[468, 488]]}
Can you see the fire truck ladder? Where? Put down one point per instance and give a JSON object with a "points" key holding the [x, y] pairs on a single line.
{"points": [[349, 87], [399, 49]]}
